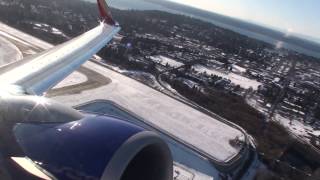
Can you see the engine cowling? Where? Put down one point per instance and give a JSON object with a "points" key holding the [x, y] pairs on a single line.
{"points": [[79, 147]]}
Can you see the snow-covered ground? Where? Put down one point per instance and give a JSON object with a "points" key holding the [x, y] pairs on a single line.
{"points": [[176, 118], [8, 52], [24, 38], [297, 128], [252, 101], [73, 79], [141, 76], [238, 69], [144, 77], [244, 82], [166, 61], [187, 164], [182, 172], [48, 28]]}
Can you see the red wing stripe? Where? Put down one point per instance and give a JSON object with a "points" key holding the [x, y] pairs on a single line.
{"points": [[105, 13]]}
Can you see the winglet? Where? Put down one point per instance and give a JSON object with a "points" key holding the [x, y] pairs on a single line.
{"points": [[105, 13]]}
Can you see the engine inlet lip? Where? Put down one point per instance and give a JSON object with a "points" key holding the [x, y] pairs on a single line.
{"points": [[130, 149]]}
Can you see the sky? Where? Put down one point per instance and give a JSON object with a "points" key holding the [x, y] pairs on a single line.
{"points": [[301, 17]]}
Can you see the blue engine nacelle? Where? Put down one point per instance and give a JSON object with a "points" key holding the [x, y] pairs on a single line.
{"points": [[70, 146]]}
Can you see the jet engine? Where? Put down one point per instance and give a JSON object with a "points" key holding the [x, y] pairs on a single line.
{"points": [[65, 144]]}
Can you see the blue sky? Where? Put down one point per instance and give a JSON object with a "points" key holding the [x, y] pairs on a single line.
{"points": [[292, 16]]}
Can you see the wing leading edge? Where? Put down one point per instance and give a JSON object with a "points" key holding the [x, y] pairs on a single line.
{"points": [[46, 70]]}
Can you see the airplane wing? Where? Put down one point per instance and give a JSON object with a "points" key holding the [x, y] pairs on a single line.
{"points": [[39, 74]]}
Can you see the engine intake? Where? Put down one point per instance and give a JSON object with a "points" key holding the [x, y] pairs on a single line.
{"points": [[144, 156], [93, 147]]}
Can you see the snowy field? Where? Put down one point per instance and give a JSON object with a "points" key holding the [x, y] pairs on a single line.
{"points": [[234, 78], [187, 164], [73, 79], [297, 128], [144, 77], [166, 61], [8, 52]]}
